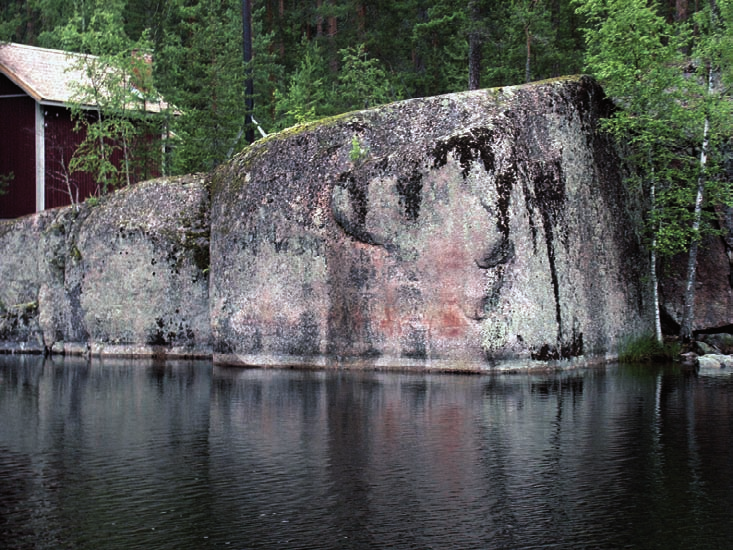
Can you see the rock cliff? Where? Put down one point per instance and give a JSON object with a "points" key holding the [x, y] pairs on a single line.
{"points": [[448, 232], [128, 276], [465, 231], [713, 311]]}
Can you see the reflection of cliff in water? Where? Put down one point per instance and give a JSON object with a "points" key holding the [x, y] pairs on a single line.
{"points": [[124, 454]]}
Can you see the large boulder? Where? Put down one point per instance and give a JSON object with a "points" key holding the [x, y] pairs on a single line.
{"points": [[722, 342], [23, 266], [715, 362], [448, 232], [127, 276]]}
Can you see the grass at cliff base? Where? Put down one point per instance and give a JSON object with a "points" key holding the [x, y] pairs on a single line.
{"points": [[647, 349]]}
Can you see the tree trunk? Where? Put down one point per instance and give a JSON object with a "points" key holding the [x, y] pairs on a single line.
{"points": [[688, 315], [527, 64], [474, 61], [655, 292], [319, 20], [361, 20], [281, 13], [475, 48], [102, 155], [681, 10], [418, 62], [248, 80], [653, 267]]}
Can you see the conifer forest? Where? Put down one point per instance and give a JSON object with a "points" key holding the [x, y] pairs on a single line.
{"points": [[315, 58]]}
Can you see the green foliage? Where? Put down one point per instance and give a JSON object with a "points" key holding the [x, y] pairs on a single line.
{"points": [[520, 40], [5, 180], [113, 112], [363, 82], [306, 96], [313, 93], [440, 41], [670, 84], [143, 17], [199, 60], [357, 153], [95, 27], [267, 70], [530, 25], [639, 57], [11, 18], [311, 59], [647, 349], [94, 154]]}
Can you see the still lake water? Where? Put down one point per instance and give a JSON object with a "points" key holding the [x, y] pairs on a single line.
{"points": [[133, 454]]}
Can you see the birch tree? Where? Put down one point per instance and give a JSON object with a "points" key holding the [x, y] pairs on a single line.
{"points": [[712, 53], [670, 116], [111, 107]]}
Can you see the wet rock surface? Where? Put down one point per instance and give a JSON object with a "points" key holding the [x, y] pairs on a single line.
{"points": [[710, 353], [715, 362]]}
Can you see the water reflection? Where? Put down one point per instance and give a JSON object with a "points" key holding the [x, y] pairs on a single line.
{"points": [[120, 454]]}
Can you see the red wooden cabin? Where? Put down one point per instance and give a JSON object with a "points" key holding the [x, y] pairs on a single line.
{"points": [[37, 135]]}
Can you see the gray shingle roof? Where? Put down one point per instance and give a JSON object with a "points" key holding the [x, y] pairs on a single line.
{"points": [[49, 76]]}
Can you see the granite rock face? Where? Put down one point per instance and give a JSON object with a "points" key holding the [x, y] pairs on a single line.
{"points": [[448, 232], [466, 231], [23, 244], [128, 276], [713, 310]]}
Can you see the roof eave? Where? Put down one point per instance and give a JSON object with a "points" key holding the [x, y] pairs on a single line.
{"points": [[23, 85], [52, 103]]}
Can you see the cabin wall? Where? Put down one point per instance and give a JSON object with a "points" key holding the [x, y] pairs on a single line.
{"points": [[60, 137], [61, 140], [17, 150]]}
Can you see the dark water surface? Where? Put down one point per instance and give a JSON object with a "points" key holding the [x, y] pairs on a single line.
{"points": [[117, 454]]}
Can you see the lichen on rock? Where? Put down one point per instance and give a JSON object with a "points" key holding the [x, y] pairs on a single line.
{"points": [[480, 226], [469, 231], [126, 276]]}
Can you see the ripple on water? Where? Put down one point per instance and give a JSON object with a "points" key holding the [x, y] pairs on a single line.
{"points": [[125, 456]]}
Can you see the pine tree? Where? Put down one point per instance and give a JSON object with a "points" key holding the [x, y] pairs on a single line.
{"points": [[441, 42], [409, 48], [305, 98], [199, 62], [530, 20], [363, 82]]}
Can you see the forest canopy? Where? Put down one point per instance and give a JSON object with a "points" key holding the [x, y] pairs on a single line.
{"points": [[311, 58]]}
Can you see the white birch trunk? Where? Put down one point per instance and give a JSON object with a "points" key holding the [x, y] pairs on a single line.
{"points": [[653, 269], [688, 314]]}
